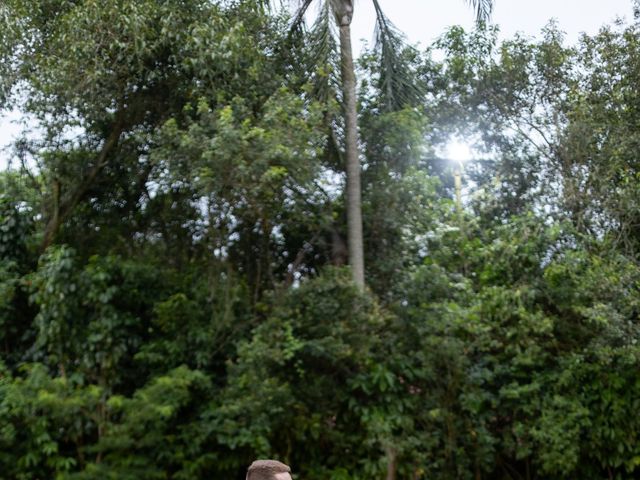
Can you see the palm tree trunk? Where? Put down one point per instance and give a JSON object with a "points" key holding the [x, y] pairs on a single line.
{"points": [[354, 190]]}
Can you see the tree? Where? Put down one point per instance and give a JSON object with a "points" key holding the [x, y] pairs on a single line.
{"points": [[389, 42], [158, 336], [557, 121]]}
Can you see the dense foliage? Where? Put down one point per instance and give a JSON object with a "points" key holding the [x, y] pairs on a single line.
{"points": [[173, 296]]}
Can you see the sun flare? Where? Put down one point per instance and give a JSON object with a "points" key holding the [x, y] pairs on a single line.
{"points": [[459, 151]]}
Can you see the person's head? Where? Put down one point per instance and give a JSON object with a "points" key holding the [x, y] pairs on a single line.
{"points": [[268, 470]]}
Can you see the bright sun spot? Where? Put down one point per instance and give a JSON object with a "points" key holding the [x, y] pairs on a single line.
{"points": [[458, 151]]}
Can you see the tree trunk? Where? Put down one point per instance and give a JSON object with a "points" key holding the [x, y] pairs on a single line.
{"points": [[63, 208], [353, 197], [392, 458]]}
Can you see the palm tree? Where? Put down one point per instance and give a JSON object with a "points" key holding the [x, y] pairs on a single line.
{"points": [[388, 45]]}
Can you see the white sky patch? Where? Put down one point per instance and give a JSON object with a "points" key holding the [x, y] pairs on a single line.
{"points": [[332, 182], [10, 128], [424, 21]]}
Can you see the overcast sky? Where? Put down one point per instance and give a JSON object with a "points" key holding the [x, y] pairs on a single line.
{"points": [[424, 20]]}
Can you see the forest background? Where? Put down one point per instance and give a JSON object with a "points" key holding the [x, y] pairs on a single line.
{"points": [[174, 300]]}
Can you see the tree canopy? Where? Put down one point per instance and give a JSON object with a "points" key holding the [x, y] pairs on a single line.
{"points": [[174, 300]]}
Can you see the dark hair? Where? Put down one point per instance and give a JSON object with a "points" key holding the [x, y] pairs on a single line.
{"points": [[266, 469]]}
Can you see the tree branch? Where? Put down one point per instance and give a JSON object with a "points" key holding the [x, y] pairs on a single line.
{"points": [[66, 207]]}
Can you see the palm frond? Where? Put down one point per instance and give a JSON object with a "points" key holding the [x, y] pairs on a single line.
{"points": [[264, 5], [272, 5], [323, 55], [483, 9], [298, 19], [396, 81]]}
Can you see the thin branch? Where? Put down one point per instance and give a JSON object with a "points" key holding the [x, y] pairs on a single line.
{"points": [[27, 171]]}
